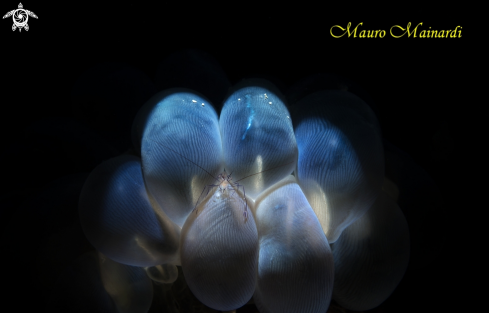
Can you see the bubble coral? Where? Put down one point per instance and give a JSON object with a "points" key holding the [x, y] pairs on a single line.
{"points": [[302, 219]]}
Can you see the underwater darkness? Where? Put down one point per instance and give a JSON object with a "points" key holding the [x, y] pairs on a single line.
{"points": [[54, 135]]}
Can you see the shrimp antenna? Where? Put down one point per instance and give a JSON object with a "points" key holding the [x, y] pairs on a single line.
{"points": [[186, 159], [268, 169]]}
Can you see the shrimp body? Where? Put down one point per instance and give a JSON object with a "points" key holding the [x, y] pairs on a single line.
{"points": [[224, 183]]}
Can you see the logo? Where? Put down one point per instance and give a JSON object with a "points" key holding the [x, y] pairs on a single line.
{"points": [[20, 17]]}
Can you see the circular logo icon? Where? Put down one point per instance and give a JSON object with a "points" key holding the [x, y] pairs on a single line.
{"points": [[20, 18]]}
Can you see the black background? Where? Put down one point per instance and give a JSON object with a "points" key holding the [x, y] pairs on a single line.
{"points": [[414, 83]]}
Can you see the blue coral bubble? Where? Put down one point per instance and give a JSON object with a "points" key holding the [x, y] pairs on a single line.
{"points": [[180, 149], [118, 219], [341, 162], [257, 136], [219, 250], [295, 267]]}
